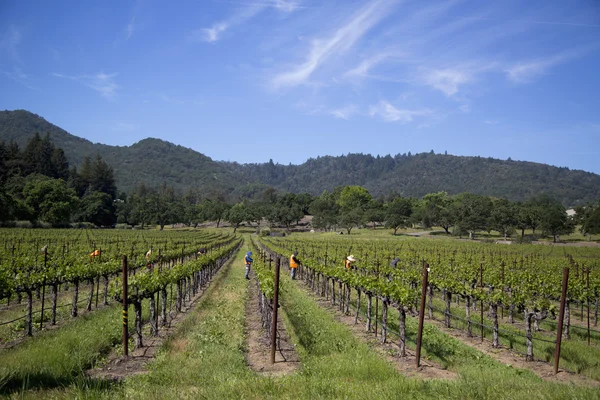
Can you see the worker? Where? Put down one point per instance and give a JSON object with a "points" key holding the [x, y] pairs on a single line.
{"points": [[349, 260], [294, 263], [248, 261], [95, 253]]}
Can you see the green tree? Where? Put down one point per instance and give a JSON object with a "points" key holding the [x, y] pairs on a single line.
{"points": [[554, 220], [472, 213], [353, 202], [435, 210], [398, 213], [325, 211], [51, 198], [504, 217], [590, 224], [375, 213], [236, 215], [97, 208]]}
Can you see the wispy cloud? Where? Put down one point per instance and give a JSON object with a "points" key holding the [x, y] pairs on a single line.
{"points": [[392, 114], [344, 112], [243, 14], [526, 72], [9, 53], [447, 80], [131, 28], [102, 83], [9, 42], [362, 70], [491, 122], [344, 38]]}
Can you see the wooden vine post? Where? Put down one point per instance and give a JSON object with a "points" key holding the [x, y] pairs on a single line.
{"points": [[275, 305], [481, 302], [44, 289], [563, 297], [422, 312], [125, 320]]}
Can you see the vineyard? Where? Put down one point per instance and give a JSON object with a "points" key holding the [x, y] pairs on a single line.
{"points": [[522, 284], [81, 270], [61, 314]]}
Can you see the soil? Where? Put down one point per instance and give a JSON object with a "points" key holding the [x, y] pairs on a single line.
{"points": [[258, 345], [389, 350], [508, 357]]}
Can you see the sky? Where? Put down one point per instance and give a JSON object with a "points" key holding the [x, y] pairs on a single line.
{"points": [[289, 80]]}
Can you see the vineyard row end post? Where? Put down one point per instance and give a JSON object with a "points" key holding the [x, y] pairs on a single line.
{"points": [[125, 319], [275, 305], [563, 297]]}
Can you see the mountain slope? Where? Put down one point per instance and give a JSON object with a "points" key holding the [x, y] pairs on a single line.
{"points": [[153, 161], [150, 161]]}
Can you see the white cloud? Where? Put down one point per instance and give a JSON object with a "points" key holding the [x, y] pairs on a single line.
{"points": [[448, 81], [526, 72], [130, 28], [491, 122], [362, 70], [101, 82], [286, 5], [344, 112], [212, 34], [9, 42], [342, 40], [392, 114], [242, 15]]}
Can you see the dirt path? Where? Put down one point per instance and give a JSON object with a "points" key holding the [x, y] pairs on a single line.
{"points": [[405, 365], [504, 355], [258, 345]]}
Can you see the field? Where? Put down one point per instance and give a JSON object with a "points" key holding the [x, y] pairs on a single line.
{"points": [[198, 329]]}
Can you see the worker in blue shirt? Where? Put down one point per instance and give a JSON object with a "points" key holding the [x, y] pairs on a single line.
{"points": [[248, 261]]}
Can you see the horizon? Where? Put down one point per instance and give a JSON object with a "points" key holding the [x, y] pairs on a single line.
{"points": [[290, 80]]}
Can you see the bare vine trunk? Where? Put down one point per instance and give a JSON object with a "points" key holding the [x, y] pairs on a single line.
{"points": [[495, 340], [357, 307], [137, 306], [369, 309], [75, 298], [448, 298], [567, 323], [384, 317], [528, 334], [54, 288], [468, 315], [402, 329]]}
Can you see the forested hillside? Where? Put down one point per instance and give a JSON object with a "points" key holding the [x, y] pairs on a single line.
{"points": [[154, 161]]}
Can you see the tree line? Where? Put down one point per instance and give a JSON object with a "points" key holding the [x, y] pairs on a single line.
{"points": [[37, 184]]}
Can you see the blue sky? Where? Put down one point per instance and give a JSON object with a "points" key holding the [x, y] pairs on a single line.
{"points": [[253, 80]]}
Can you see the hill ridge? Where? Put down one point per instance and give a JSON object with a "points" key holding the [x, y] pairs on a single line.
{"points": [[154, 160]]}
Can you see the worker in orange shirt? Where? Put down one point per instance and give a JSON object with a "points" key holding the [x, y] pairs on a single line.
{"points": [[294, 263], [94, 254]]}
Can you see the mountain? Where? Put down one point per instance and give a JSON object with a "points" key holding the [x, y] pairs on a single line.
{"points": [[153, 161], [150, 161]]}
